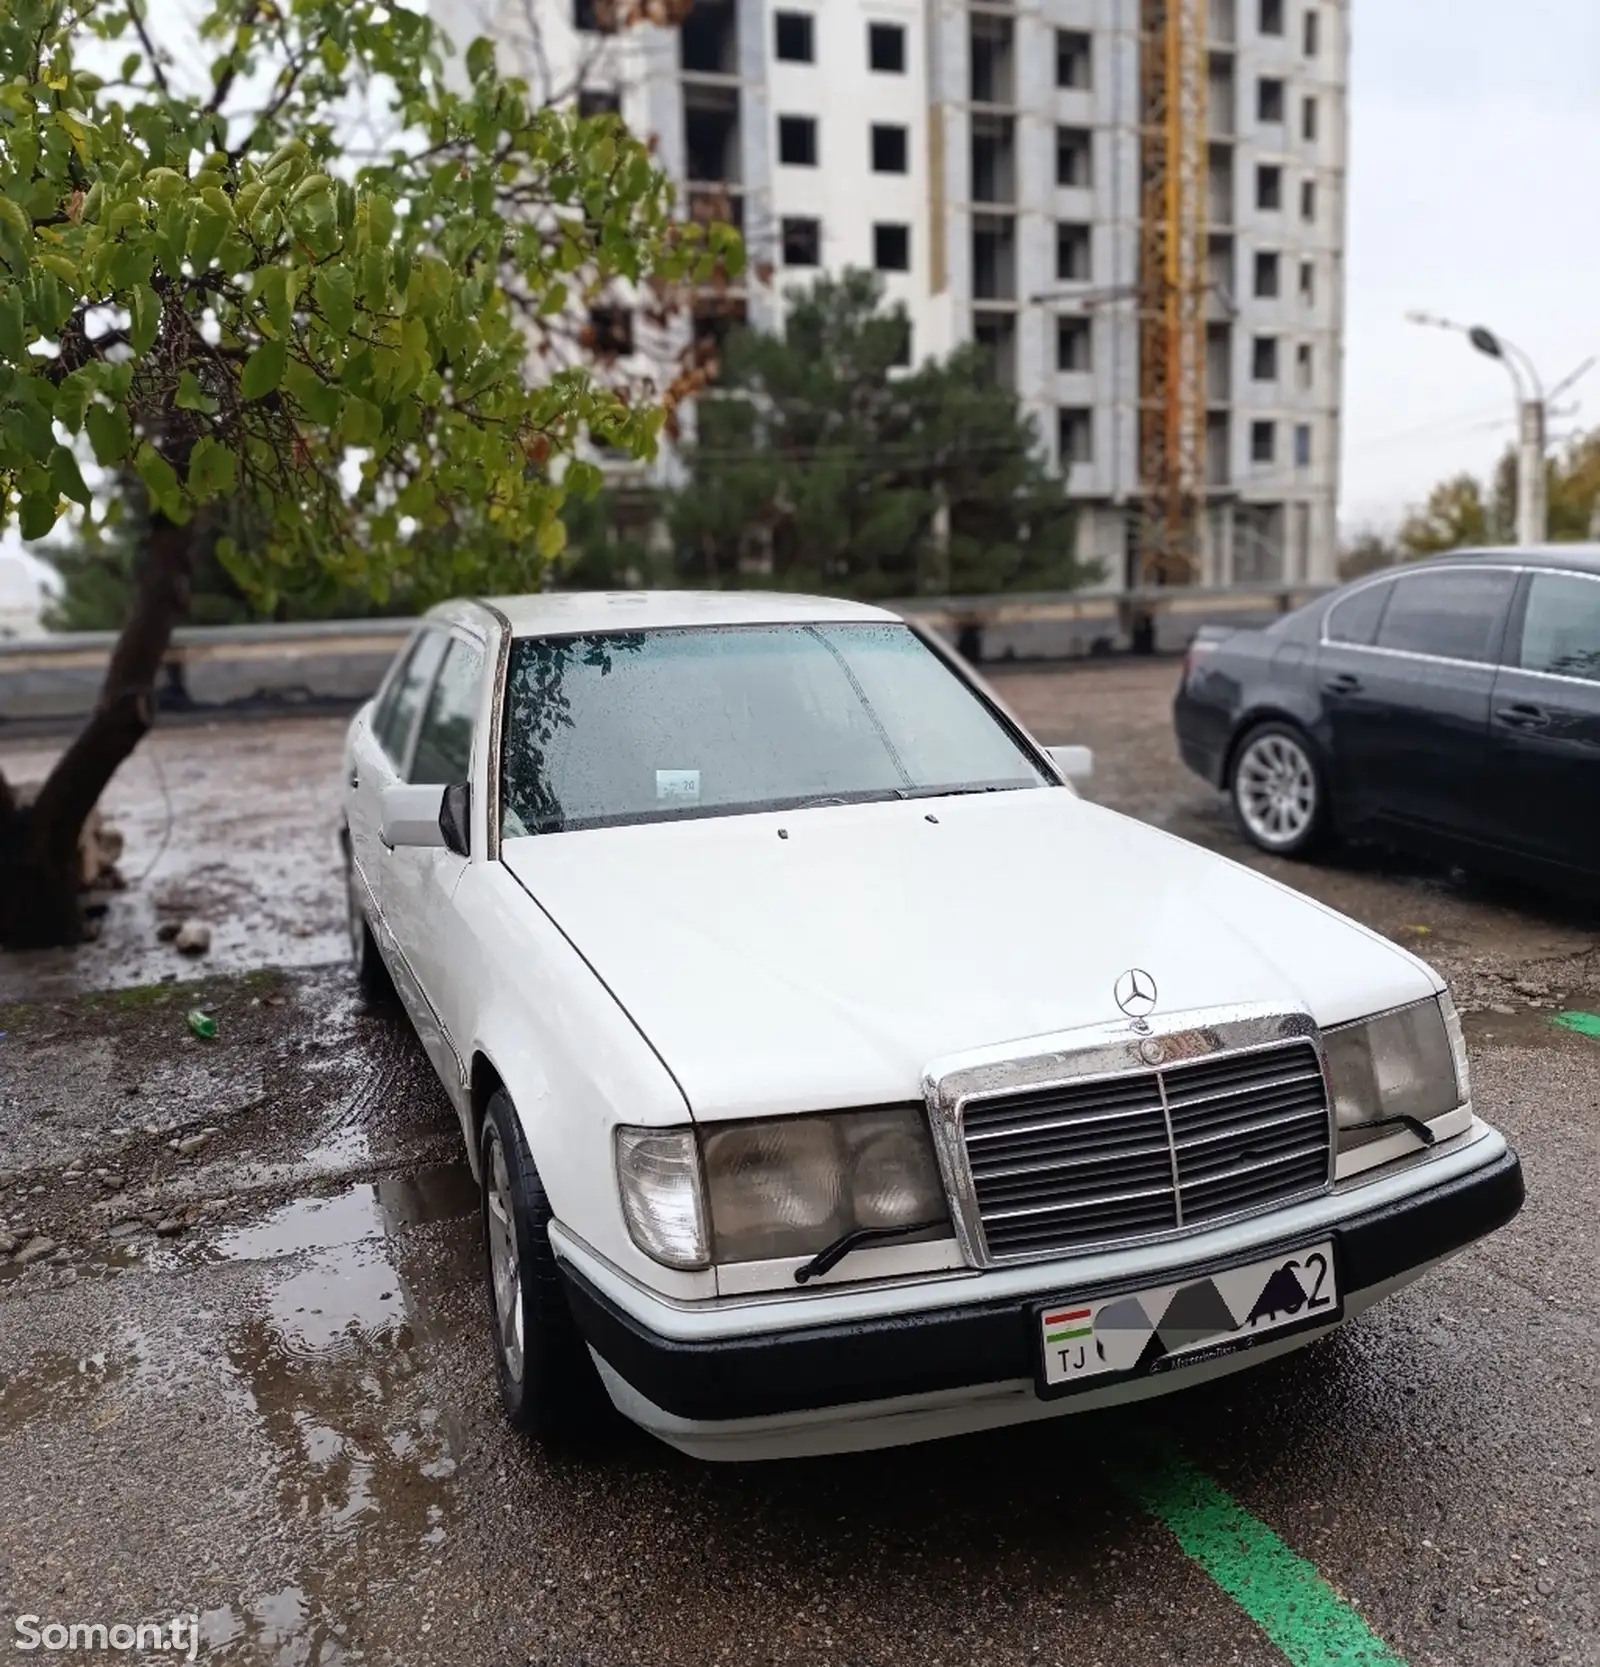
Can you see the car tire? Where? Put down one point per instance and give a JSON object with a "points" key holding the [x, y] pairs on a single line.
{"points": [[1279, 790], [372, 976], [548, 1383]]}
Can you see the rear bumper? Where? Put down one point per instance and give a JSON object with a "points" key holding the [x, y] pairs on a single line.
{"points": [[962, 1348], [1202, 735]]}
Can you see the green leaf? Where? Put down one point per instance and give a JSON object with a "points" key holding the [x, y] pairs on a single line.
{"points": [[29, 422], [313, 185], [552, 538], [361, 423], [320, 401], [213, 470], [191, 396], [335, 293], [146, 311], [38, 514], [263, 370], [380, 217], [73, 396], [206, 238], [109, 434], [161, 482], [276, 287], [66, 477], [163, 184], [480, 59], [13, 331]]}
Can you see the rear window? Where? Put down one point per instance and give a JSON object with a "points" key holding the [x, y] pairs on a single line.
{"points": [[1354, 618], [1455, 615]]}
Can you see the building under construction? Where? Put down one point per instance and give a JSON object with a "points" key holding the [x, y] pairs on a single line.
{"points": [[1136, 207]]}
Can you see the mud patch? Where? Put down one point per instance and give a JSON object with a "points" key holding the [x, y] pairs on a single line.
{"points": [[117, 1121], [1545, 1027]]}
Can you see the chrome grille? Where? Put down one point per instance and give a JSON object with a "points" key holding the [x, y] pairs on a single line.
{"points": [[1149, 1152]]}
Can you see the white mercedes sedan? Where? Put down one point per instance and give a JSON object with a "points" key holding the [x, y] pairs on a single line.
{"points": [[835, 1075]]}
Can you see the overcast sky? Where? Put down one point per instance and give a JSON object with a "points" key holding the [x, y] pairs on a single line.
{"points": [[1474, 193]]}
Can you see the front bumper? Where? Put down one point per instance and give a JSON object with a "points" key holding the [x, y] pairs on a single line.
{"points": [[965, 1346]]}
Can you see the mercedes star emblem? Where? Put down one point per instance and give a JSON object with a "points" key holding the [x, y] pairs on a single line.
{"points": [[1135, 993]]}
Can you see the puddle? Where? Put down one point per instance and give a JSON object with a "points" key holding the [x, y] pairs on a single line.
{"points": [[50, 1382], [369, 1210], [103, 1260]]}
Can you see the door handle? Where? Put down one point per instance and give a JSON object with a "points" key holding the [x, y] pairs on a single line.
{"points": [[1343, 683], [1524, 716], [355, 778]]}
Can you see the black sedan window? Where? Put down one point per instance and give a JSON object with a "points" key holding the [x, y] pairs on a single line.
{"points": [[1561, 630], [1354, 618], [1455, 614]]}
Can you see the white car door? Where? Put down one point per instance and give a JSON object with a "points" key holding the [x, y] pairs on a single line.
{"points": [[379, 749], [420, 884]]}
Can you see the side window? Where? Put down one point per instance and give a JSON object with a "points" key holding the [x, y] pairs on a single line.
{"points": [[395, 724], [1455, 614], [444, 743], [1561, 626], [1355, 618]]}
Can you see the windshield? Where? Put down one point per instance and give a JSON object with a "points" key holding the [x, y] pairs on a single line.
{"points": [[643, 726]]}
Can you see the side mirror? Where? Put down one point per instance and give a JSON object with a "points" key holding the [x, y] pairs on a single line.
{"points": [[455, 818], [410, 816], [1075, 763]]}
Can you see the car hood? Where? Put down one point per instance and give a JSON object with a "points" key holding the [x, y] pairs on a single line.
{"points": [[821, 958]]}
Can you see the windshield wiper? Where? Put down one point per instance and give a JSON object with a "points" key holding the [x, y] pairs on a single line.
{"points": [[825, 1261], [1414, 1125], [959, 792]]}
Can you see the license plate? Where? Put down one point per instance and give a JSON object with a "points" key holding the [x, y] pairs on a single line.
{"points": [[1172, 1326]]}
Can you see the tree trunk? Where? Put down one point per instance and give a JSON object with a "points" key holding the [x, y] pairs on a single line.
{"points": [[39, 871]]}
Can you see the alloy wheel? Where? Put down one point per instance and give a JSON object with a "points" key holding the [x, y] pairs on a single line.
{"points": [[1276, 789], [505, 1266]]}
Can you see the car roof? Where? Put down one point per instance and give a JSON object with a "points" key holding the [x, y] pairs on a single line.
{"points": [[1585, 558], [562, 612]]}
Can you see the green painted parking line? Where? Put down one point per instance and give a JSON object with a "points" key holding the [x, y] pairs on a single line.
{"points": [[1586, 1024], [1281, 1592]]}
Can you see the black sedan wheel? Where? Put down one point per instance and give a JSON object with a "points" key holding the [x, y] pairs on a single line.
{"points": [[1277, 790], [548, 1383]]}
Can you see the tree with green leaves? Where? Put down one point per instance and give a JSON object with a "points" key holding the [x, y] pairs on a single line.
{"points": [[820, 465], [199, 285]]}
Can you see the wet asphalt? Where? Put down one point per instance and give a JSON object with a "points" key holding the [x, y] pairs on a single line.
{"points": [[279, 1411]]}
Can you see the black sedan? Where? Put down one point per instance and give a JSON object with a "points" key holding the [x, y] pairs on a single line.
{"points": [[1450, 706]]}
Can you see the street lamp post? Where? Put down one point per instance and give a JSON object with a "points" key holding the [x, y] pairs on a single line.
{"points": [[1532, 490]]}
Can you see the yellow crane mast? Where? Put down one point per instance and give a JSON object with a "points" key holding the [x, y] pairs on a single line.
{"points": [[1172, 289]]}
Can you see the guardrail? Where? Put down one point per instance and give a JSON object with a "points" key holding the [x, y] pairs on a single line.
{"points": [[331, 665]]}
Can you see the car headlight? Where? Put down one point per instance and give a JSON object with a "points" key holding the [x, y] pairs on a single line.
{"points": [[658, 1171], [791, 1186], [795, 1185], [1410, 1064]]}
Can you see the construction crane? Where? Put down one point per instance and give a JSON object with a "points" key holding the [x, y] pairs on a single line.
{"points": [[1172, 289]]}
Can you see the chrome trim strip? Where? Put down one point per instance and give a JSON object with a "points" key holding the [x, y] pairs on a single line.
{"points": [[1502, 664], [497, 707], [1172, 1152], [1073, 1058], [1554, 676]]}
